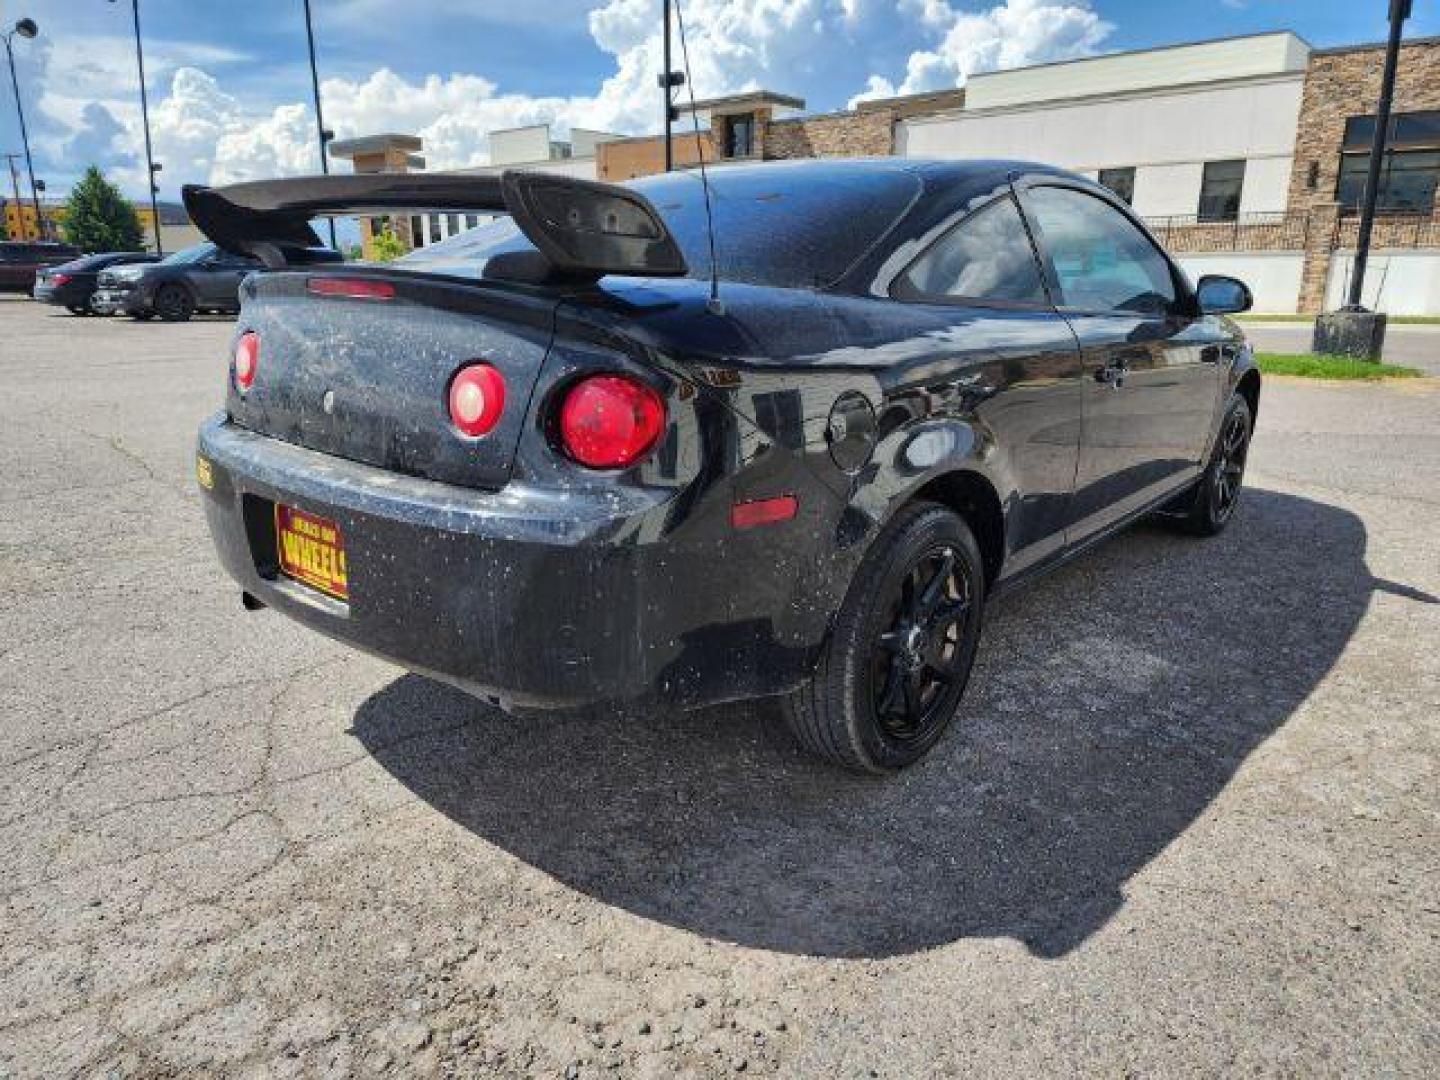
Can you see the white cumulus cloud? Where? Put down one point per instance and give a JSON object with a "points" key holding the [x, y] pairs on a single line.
{"points": [[204, 133], [1008, 35]]}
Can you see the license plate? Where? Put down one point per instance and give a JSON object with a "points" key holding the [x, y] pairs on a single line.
{"points": [[312, 551]]}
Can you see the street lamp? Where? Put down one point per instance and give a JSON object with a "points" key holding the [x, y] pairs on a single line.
{"points": [[26, 28], [1355, 330], [151, 166]]}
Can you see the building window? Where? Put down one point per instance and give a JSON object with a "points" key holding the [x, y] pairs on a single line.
{"points": [[434, 223], [417, 231], [740, 136], [1220, 188], [1121, 182], [1409, 170]]}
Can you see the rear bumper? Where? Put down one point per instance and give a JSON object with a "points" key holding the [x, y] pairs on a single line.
{"points": [[531, 597], [63, 295]]}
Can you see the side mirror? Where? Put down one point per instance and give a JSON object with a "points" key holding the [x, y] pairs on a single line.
{"points": [[1221, 295]]}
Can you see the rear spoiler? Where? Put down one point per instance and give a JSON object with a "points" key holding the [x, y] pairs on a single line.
{"points": [[582, 228]]}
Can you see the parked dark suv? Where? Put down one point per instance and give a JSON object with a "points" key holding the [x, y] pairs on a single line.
{"points": [[70, 285], [20, 260], [200, 278]]}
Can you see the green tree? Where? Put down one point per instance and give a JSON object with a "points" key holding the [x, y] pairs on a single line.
{"points": [[99, 218], [387, 246]]}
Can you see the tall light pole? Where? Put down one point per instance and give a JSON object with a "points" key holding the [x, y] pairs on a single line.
{"points": [[668, 80], [319, 116], [26, 28], [150, 167], [1354, 330], [1399, 10]]}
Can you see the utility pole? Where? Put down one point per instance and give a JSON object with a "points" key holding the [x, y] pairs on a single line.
{"points": [[15, 187], [319, 116]]}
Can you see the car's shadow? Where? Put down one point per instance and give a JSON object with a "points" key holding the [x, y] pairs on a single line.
{"points": [[1110, 705]]}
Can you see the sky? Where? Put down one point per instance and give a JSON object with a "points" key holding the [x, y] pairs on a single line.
{"points": [[229, 81]]}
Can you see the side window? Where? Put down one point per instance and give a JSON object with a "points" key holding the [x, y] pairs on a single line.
{"points": [[1102, 261], [985, 257]]}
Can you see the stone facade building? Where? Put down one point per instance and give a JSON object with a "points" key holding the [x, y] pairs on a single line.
{"points": [[1342, 90], [765, 126]]}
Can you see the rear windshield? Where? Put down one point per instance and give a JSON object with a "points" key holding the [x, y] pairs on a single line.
{"points": [[773, 226]]}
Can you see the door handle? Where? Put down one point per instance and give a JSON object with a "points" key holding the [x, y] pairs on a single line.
{"points": [[1113, 373]]}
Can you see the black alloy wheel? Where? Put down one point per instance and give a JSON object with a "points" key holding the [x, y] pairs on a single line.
{"points": [[915, 673], [1211, 504], [173, 303], [893, 671], [1229, 469]]}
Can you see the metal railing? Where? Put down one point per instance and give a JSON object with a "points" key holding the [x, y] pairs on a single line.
{"points": [[1255, 231], [1291, 231], [1393, 229]]}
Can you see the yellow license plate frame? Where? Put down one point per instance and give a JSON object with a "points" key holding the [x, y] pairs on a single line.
{"points": [[311, 550]]}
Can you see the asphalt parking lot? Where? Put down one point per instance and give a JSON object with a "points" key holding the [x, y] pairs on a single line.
{"points": [[1189, 823]]}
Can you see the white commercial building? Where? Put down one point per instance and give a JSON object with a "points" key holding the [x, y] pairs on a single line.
{"points": [[1204, 130], [533, 148]]}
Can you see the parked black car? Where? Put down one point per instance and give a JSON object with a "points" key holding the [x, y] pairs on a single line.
{"points": [[21, 260], [199, 278], [71, 284], [545, 461]]}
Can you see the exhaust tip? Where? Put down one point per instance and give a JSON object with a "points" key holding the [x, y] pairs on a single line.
{"points": [[251, 603]]}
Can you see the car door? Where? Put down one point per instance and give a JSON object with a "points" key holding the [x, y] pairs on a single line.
{"points": [[219, 279], [976, 308], [1150, 371]]}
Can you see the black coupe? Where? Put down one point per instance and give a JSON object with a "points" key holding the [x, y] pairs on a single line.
{"points": [[554, 461]]}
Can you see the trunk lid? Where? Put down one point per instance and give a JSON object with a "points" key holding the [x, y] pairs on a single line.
{"points": [[368, 380]]}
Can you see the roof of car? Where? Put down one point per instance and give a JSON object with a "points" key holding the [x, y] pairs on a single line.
{"points": [[936, 171]]}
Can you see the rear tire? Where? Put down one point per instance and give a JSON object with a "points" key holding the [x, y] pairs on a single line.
{"points": [[173, 303], [893, 672], [1213, 500]]}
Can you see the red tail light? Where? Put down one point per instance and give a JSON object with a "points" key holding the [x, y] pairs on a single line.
{"points": [[247, 360], [477, 398], [351, 288], [59, 279], [610, 421]]}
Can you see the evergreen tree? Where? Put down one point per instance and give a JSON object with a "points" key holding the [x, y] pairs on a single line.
{"points": [[99, 218]]}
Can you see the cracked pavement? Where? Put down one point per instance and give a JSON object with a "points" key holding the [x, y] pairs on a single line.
{"points": [[1186, 824]]}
